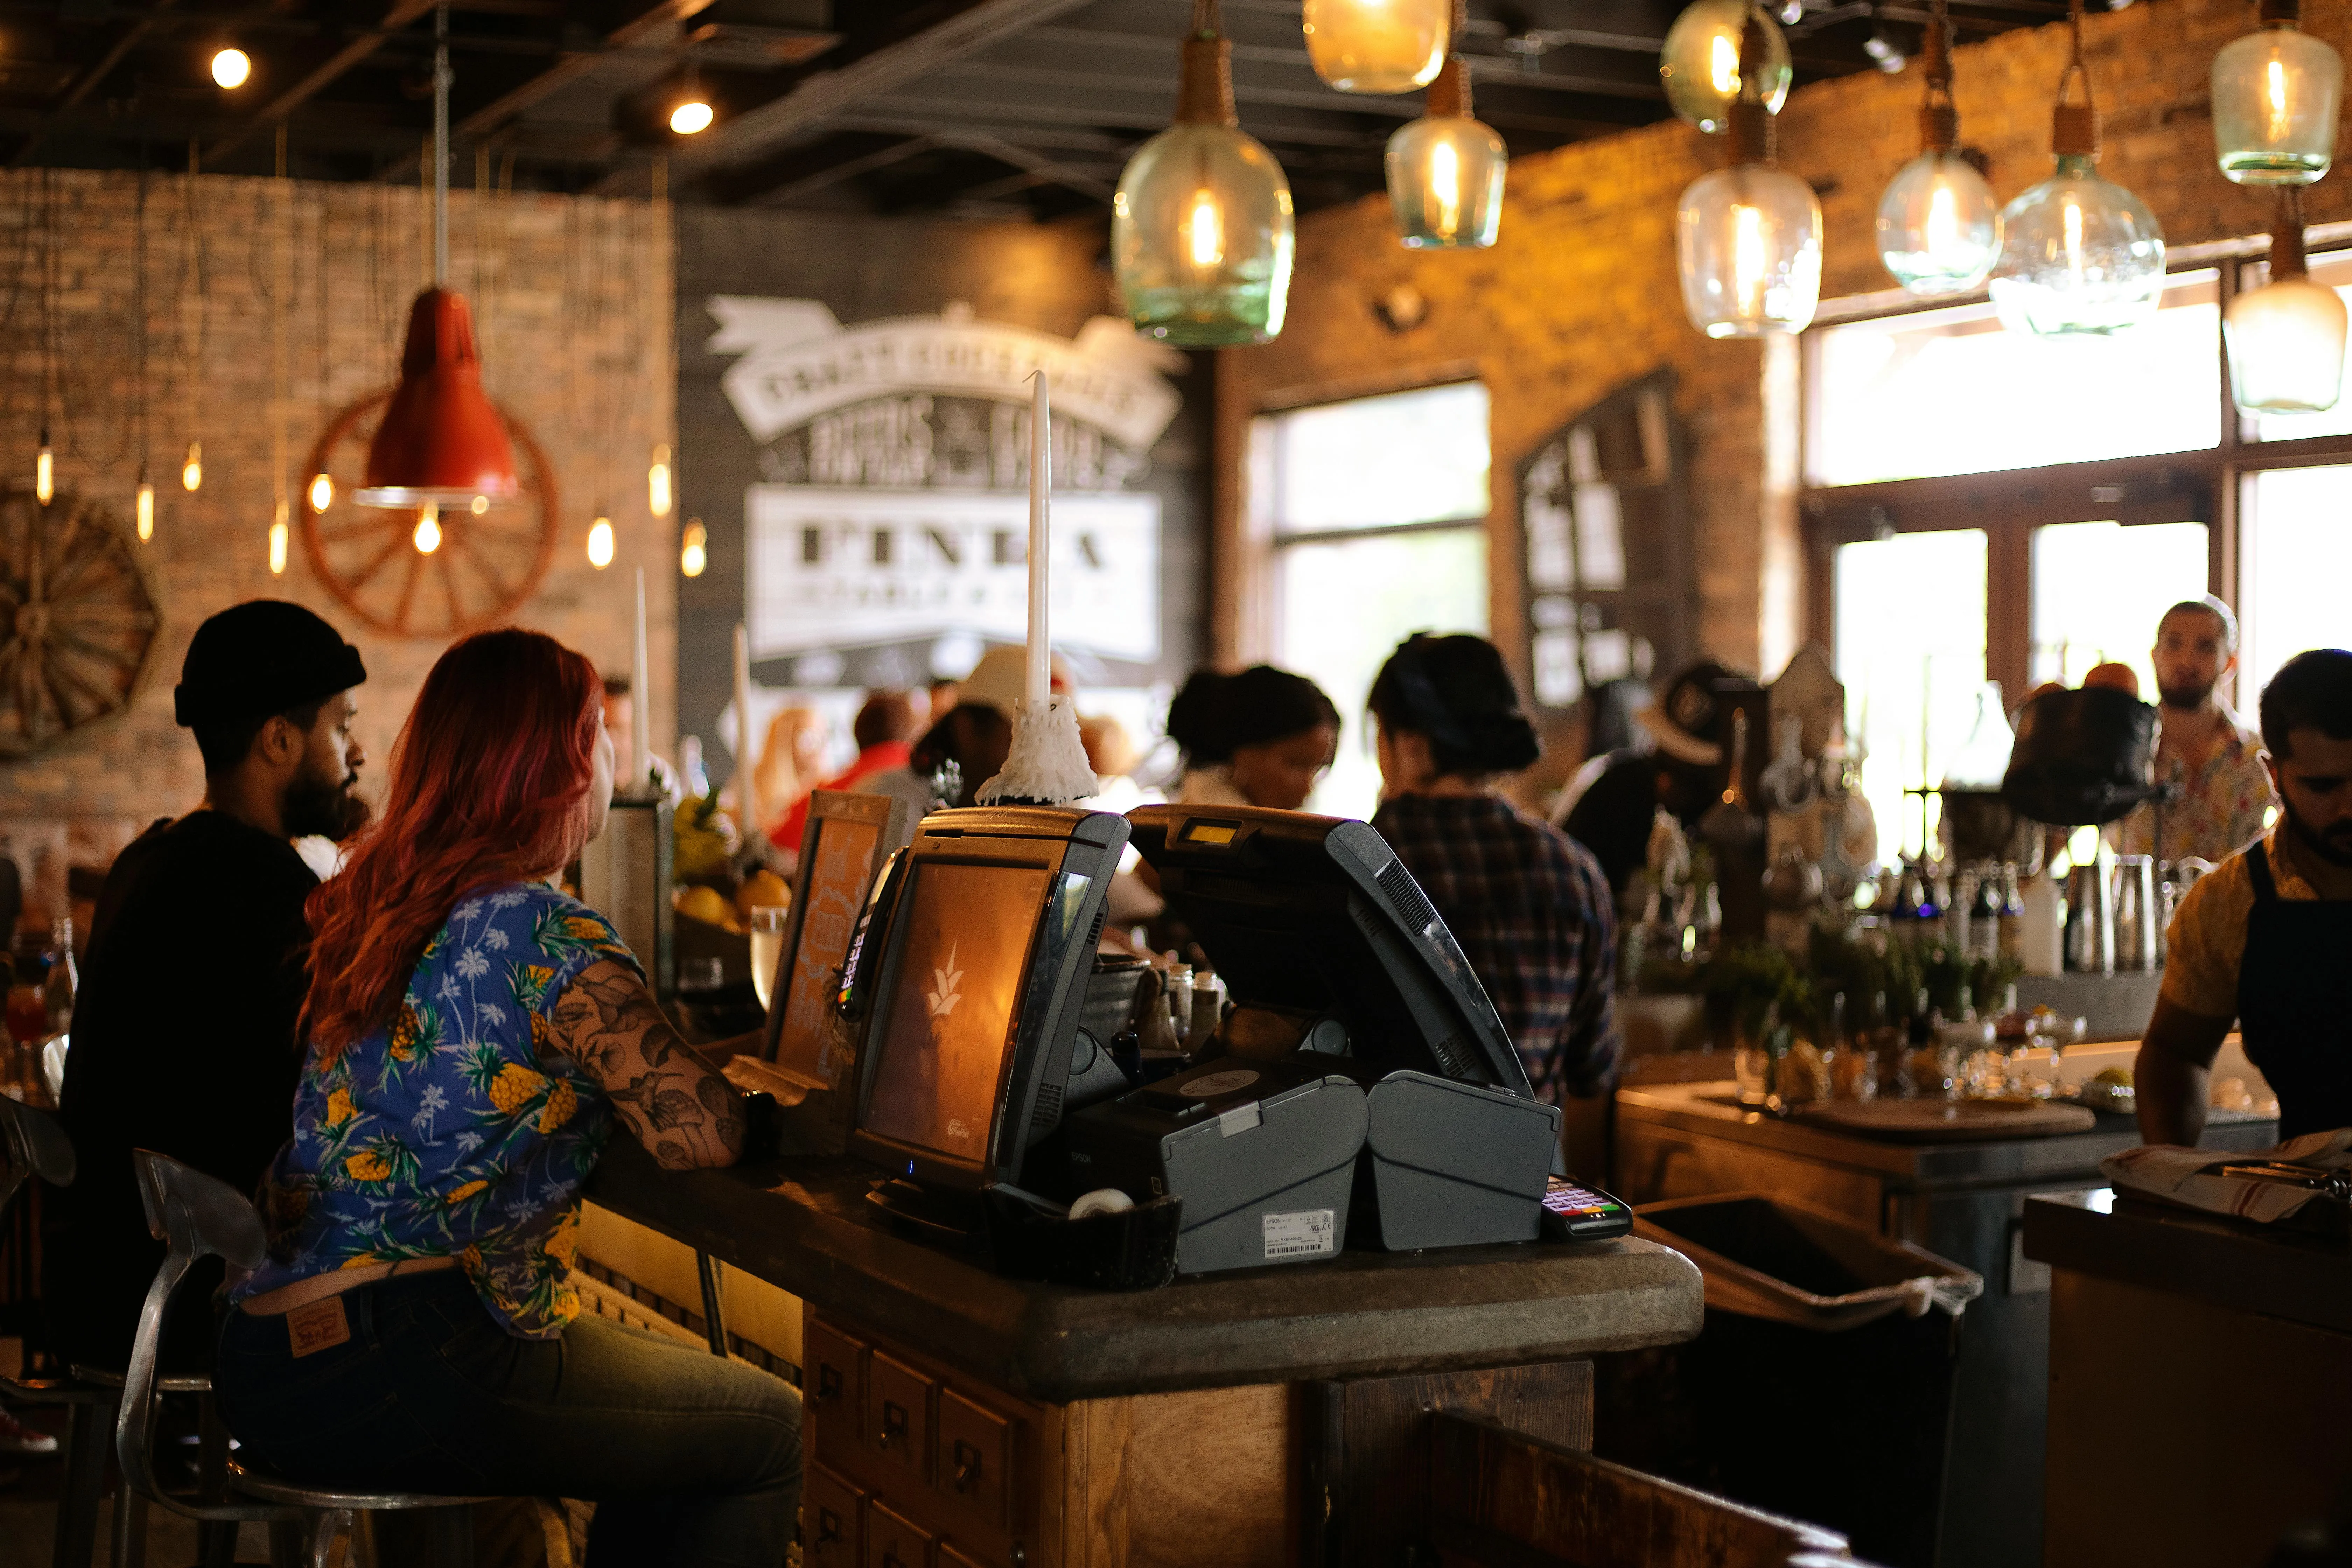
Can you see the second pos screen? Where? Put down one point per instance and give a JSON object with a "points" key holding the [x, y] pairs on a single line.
{"points": [[947, 1030]]}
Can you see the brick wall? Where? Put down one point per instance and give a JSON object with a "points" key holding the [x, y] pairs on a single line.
{"points": [[1579, 295], [565, 291]]}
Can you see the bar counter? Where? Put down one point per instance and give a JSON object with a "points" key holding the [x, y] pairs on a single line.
{"points": [[2197, 1371], [1279, 1410]]}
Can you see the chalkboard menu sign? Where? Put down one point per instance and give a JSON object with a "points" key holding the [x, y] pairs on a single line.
{"points": [[849, 837]]}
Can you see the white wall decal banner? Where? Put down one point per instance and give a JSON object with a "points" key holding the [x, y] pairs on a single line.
{"points": [[835, 568]]}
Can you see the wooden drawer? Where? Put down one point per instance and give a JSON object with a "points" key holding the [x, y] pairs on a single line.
{"points": [[832, 1516], [893, 1541], [898, 1412], [951, 1558], [974, 1463], [833, 1381]]}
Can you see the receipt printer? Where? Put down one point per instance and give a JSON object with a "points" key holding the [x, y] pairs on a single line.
{"points": [[1263, 1153], [1451, 1164]]}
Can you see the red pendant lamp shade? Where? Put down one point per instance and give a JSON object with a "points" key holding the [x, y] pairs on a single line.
{"points": [[440, 441]]}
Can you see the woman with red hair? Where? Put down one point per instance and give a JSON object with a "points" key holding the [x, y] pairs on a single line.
{"points": [[472, 1035]]}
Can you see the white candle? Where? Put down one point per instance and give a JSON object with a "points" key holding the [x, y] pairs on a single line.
{"points": [[1041, 543], [641, 701], [747, 781]]}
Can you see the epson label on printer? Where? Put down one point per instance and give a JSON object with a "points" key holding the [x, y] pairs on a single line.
{"points": [[1304, 1233]]}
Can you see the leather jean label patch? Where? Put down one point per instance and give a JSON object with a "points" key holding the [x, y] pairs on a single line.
{"points": [[317, 1326]]}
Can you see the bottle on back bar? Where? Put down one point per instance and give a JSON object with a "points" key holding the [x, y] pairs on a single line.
{"points": [[2012, 915], [1984, 916]]}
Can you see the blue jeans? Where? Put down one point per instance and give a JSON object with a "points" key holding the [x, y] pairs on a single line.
{"points": [[693, 1461]]}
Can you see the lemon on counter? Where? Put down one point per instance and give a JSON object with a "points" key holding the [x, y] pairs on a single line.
{"points": [[762, 887], [708, 905]]}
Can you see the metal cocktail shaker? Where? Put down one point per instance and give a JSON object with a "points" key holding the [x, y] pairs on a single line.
{"points": [[2090, 918], [2139, 920]]}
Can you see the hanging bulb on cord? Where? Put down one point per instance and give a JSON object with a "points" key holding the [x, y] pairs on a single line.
{"points": [[321, 491], [1748, 238], [1939, 222], [600, 542], [694, 549], [2276, 94], [1445, 170], [1377, 45], [1201, 224], [45, 470], [658, 493], [2286, 338], [427, 536], [2079, 256], [144, 506], [1707, 52], [277, 540], [192, 472]]}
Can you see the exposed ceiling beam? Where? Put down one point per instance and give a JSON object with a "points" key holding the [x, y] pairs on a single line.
{"points": [[572, 66], [90, 78], [828, 94], [402, 13]]}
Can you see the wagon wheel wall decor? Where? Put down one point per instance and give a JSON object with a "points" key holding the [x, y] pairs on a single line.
{"points": [[78, 624], [480, 568]]}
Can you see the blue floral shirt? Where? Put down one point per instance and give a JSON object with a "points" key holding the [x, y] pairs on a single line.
{"points": [[457, 1129]]}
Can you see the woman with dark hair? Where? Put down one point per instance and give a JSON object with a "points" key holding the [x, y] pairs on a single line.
{"points": [[1261, 737], [472, 1036], [1527, 904]]}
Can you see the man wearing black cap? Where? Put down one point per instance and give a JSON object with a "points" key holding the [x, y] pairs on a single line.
{"points": [[183, 1036]]}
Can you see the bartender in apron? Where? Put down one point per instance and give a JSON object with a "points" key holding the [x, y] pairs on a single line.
{"points": [[2266, 940]]}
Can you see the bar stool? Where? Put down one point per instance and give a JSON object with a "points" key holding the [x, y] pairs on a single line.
{"points": [[196, 1215]]}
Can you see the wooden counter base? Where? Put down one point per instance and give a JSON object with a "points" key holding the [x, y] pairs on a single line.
{"points": [[914, 1463]]}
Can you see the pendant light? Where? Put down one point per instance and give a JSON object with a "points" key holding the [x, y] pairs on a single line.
{"points": [[694, 549], [440, 440], [1710, 54], [657, 491], [143, 507], [2079, 255], [1201, 226], [1748, 238], [322, 492], [1379, 45], [45, 469], [2276, 96], [192, 470], [601, 542], [1445, 170], [2286, 338], [1939, 222]]}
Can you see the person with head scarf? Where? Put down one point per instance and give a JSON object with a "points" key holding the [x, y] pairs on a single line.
{"points": [[1263, 737], [1528, 904], [183, 1038]]}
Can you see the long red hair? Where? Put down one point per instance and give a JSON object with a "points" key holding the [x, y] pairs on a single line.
{"points": [[490, 782]]}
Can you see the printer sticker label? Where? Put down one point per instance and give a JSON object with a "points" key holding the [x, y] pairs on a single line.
{"points": [[1304, 1233], [1210, 1085]]}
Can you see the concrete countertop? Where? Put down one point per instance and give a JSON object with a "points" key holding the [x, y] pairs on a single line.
{"points": [[804, 1224], [2229, 1263], [1713, 1109]]}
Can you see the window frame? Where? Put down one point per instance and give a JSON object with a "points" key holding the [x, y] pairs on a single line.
{"points": [[2008, 504]]}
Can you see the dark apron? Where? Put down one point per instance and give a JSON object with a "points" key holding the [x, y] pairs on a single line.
{"points": [[2295, 1002]]}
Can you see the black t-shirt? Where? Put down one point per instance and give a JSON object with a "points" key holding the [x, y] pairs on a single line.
{"points": [[184, 1042], [1614, 817]]}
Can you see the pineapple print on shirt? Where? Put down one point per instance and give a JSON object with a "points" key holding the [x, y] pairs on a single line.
{"points": [[457, 1130]]}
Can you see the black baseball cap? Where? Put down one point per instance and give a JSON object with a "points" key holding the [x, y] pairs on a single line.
{"points": [[261, 657], [1682, 720]]}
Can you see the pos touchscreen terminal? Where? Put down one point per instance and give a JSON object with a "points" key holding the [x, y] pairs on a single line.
{"points": [[978, 976]]}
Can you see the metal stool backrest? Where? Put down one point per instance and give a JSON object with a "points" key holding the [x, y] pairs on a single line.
{"points": [[32, 1144], [194, 1215]]}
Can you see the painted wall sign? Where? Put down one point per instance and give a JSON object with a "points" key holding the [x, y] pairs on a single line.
{"points": [[896, 459]]}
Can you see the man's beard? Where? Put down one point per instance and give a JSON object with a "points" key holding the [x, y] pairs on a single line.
{"points": [[2185, 699], [324, 808], [2335, 846]]}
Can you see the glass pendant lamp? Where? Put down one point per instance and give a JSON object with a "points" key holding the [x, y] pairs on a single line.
{"points": [[1201, 226], [2286, 338], [1939, 222], [1748, 238], [1445, 170], [2275, 97], [1707, 56], [2079, 255], [1377, 45]]}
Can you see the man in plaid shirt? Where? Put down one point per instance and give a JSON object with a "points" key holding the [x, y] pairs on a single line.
{"points": [[1529, 905]]}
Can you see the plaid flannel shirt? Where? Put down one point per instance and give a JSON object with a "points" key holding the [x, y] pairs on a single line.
{"points": [[1532, 911]]}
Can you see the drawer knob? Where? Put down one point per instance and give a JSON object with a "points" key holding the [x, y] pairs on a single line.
{"points": [[967, 1466], [828, 1526], [894, 1424], [828, 1384]]}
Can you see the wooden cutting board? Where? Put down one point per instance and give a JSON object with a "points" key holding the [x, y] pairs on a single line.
{"points": [[1950, 1120]]}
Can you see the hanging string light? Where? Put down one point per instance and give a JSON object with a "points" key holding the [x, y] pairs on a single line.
{"points": [[2276, 93], [1377, 45], [2078, 254], [1939, 222], [600, 541], [1718, 51], [658, 494], [142, 504], [1445, 170], [427, 534], [1201, 224], [1748, 237], [281, 302], [694, 549], [2286, 338], [192, 267]]}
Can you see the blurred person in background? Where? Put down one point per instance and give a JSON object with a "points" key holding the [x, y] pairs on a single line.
{"points": [[1112, 752], [2226, 795], [1671, 764], [620, 718], [1261, 737], [885, 732], [790, 764], [1528, 904], [975, 733]]}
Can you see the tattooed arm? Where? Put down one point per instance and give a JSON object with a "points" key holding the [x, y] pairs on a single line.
{"points": [[673, 1099]]}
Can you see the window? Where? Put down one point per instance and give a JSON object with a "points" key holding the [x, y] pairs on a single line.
{"points": [[1987, 507], [1374, 514]]}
